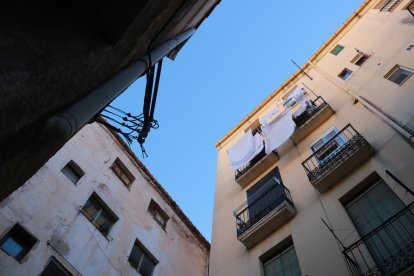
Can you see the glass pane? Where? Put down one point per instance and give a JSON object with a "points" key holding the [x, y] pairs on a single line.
{"points": [[147, 266], [104, 222], [91, 208], [55, 269], [337, 50], [159, 218], [135, 256], [12, 247], [70, 173], [399, 76]]}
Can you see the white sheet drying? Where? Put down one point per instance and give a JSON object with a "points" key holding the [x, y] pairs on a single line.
{"points": [[277, 131]]}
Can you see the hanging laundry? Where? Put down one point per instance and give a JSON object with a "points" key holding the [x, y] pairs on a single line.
{"points": [[245, 149], [277, 131]]}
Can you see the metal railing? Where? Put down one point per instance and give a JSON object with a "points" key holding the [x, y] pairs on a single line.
{"points": [[255, 208], [317, 104], [333, 151], [386, 250], [245, 168]]}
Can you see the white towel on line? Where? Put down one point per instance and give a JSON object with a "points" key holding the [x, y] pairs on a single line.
{"points": [[245, 149], [277, 131]]}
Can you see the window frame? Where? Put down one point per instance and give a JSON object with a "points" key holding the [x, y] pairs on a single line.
{"points": [[97, 213], [382, 3], [154, 209], [337, 49], [74, 168], [123, 171], [394, 69], [58, 264], [345, 74], [145, 253], [360, 58], [19, 235], [277, 251]]}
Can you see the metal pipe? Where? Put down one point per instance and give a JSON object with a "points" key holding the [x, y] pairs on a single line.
{"points": [[80, 113], [403, 130]]}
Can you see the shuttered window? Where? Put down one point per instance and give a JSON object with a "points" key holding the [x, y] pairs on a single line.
{"points": [[284, 264], [370, 210]]}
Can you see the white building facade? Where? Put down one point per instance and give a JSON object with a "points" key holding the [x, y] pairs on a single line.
{"points": [[94, 209], [334, 196]]}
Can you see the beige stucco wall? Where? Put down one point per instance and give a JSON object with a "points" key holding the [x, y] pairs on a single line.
{"points": [[384, 35], [48, 206]]}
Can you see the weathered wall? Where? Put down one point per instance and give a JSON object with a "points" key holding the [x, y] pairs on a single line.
{"points": [[385, 36], [55, 53], [48, 206]]}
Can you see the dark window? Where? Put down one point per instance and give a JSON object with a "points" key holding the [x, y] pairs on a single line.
{"points": [[398, 74], [99, 214], [158, 214], [267, 189], [54, 268], [345, 74], [338, 48], [17, 242], [360, 59], [122, 172], [282, 263], [73, 171], [142, 260]]}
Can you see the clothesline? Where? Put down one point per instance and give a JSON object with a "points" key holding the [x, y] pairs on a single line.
{"points": [[275, 131]]}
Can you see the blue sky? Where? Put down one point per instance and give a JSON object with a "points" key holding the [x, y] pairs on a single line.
{"points": [[238, 56]]}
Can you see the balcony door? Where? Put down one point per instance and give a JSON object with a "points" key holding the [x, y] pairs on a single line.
{"points": [[388, 239], [264, 195], [328, 148]]}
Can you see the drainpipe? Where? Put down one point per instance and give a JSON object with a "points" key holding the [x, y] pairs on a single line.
{"points": [[69, 122], [406, 132]]}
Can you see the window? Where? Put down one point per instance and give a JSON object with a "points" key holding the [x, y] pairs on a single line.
{"points": [[371, 209], [398, 74], [345, 74], [158, 214], [268, 189], [99, 214], [142, 260], [387, 5], [338, 48], [122, 172], [325, 147], [360, 59], [73, 171], [284, 263], [54, 268], [17, 242]]}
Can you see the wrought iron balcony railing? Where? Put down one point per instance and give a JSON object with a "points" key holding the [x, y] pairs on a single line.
{"points": [[339, 148], [386, 250], [271, 196], [245, 168], [317, 105]]}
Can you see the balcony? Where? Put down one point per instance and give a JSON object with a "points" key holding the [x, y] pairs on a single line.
{"points": [[263, 214], [313, 117], [258, 165], [336, 158], [386, 250]]}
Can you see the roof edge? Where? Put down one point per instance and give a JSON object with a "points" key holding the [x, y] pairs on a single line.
{"points": [[286, 83], [152, 180]]}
